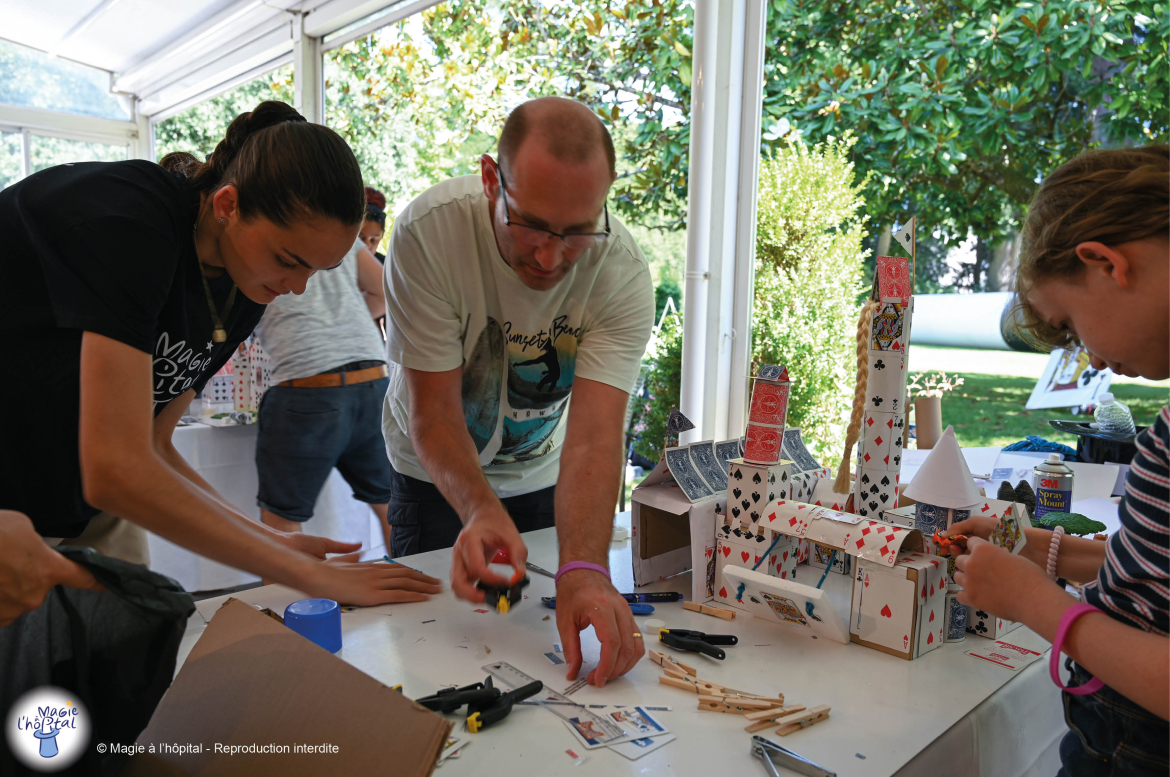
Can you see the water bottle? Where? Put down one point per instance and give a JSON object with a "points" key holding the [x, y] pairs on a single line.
{"points": [[1113, 416]]}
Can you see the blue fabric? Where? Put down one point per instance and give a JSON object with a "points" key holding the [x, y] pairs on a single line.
{"points": [[1109, 735], [1034, 443], [306, 432]]}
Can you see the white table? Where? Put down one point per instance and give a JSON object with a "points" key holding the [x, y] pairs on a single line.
{"points": [[943, 714], [225, 458]]}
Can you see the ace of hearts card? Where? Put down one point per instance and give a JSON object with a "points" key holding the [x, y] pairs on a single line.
{"points": [[883, 609]]}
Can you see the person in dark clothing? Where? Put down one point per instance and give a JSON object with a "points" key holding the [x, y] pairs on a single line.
{"points": [[115, 310]]}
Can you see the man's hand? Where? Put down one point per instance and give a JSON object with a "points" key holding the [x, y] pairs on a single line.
{"points": [[476, 546], [313, 545], [995, 580], [29, 568], [584, 598]]}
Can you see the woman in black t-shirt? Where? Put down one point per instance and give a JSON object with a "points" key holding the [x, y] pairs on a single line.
{"points": [[123, 289]]}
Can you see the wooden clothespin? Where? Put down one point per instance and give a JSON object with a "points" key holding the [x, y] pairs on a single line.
{"points": [[767, 718], [707, 609], [775, 701], [730, 705], [692, 684], [798, 720], [664, 660]]}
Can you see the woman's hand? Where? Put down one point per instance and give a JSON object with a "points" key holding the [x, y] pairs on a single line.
{"points": [[995, 580], [369, 583]]}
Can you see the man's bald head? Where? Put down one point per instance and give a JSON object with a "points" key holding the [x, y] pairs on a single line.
{"points": [[568, 130]]}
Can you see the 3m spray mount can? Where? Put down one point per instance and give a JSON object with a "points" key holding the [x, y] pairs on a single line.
{"points": [[1053, 483]]}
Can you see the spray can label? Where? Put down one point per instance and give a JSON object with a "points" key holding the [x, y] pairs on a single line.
{"points": [[1053, 489]]}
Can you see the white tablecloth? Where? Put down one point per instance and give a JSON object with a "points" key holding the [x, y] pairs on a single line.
{"points": [[225, 458], [943, 714]]}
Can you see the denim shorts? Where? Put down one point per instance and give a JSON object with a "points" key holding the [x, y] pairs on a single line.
{"points": [[1110, 736], [306, 432], [423, 520]]}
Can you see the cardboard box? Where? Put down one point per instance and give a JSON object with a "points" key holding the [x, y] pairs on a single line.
{"points": [[670, 535], [249, 681], [900, 610]]}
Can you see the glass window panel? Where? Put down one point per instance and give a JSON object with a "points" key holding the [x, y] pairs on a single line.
{"points": [[47, 151], [33, 79], [11, 158], [199, 129]]}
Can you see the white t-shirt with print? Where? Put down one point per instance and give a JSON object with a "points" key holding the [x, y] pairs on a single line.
{"points": [[452, 301]]}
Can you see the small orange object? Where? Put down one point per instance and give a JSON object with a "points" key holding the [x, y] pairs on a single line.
{"points": [[945, 543]]}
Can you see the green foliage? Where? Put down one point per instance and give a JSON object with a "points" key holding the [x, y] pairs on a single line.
{"points": [[1073, 523], [808, 275], [200, 128], [665, 361], [668, 289], [448, 77], [960, 107]]}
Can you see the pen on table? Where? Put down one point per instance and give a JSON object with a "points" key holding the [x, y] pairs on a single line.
{"points": [[399, 563]]}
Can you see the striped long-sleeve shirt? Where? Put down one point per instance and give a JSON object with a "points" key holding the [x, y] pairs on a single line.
{"points": [[1134, 583]]}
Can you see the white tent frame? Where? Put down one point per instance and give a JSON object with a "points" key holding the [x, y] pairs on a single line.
{"points": [[253, 37]]}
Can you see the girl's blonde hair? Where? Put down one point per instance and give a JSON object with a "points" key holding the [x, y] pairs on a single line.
{"points": [[1107, 196]]}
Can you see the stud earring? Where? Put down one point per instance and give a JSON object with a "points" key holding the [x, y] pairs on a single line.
{"points": [[221, 220]]}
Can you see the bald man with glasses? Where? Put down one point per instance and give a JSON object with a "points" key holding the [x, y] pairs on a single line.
{"points": [[508, 294]]}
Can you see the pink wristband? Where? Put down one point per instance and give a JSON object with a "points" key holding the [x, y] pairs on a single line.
{"points": [[1066, 622], [580, 565]]}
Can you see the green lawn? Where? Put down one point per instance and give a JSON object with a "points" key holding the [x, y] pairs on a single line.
{"points": [[988, 410]]}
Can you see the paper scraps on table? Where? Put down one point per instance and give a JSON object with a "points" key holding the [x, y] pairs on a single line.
{"points": [[1013, 657], [546, 617], [481, 610], [554, 658], [432, 620]]}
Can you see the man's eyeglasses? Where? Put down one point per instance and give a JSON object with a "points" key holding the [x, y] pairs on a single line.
{"points": [[536, 236]]}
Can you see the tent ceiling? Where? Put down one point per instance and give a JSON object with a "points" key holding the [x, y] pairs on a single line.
{"points": [[165, 52]]}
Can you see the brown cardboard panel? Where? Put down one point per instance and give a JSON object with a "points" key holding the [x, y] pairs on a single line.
{"points": [[251, 681], [663, 532]]}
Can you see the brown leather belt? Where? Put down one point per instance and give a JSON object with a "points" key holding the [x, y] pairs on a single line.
{"points": [[328, 379]]}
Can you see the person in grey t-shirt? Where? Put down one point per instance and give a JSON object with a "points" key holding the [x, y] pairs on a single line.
{"points": [[324, 408]]}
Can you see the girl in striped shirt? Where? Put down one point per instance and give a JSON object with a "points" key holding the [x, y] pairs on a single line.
{"points": [[1095, 269]]}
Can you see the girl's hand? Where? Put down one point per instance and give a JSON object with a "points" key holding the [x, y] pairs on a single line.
{"points": [[996, 581], [973, 527], [370, 583]]}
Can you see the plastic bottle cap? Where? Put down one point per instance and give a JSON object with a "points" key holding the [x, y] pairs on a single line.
{"points": [[1106, 398], [1054, 458]]}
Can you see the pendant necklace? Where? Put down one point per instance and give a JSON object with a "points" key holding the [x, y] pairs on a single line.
{"points": [[219, 334]]}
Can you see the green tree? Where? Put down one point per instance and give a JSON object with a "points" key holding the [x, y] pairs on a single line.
{"points": [[662, 384], [960, 107], [809, 257], [200, 128]]}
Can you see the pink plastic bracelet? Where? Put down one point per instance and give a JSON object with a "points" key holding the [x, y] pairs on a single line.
{"points": [[1053, 549], [580, 565], [1066, 622]]}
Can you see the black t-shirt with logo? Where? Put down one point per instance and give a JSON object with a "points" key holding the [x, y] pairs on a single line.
{"points": [[106, 248]]}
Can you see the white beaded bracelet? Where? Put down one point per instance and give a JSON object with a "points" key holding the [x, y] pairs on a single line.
{"points": [[1053, 549]]}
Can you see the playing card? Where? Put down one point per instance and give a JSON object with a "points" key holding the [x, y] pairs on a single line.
{"points": [[637, 748], [886, 382], [790, 603], [932, 599], [586, 732], [677, 422], [454, 744], [691, 483], [987, 625], [956, 617], [707, 465], [882, 607], [875, 491], [877, 430], [893, 278], [726, 451], [783, 559], [822, 554], [763, 444], [773, 372], [794, 449], [769, 404], [888, 328], [1009, 532]]}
